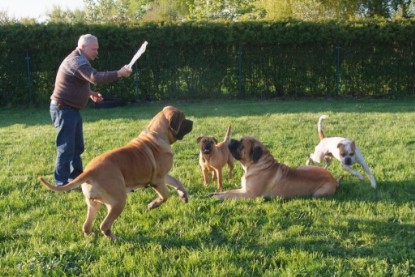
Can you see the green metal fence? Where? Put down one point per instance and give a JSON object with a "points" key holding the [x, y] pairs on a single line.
{"points": [[233, 71]]}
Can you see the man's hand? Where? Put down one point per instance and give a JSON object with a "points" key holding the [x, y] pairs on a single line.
{"points": [[96, 96], [124, 71]]}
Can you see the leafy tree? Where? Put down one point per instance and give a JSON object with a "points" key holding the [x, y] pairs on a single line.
{"points": [[119, 11], [220, 9], [368, 8], [58, 15], [99, 11], [6, 19], [161, 10]]}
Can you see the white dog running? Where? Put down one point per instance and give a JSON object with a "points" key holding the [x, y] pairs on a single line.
{"points": [[343, 149]]}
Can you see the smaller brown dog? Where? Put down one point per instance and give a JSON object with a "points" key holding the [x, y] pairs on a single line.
{"points": [[213, 156], [264, 176]]}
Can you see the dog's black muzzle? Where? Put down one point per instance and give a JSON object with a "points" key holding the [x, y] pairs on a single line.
{"points": [[185, 128], [207, 147], [348, 161], [235, 148]]}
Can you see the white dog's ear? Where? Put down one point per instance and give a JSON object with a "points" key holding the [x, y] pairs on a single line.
{"points": [[340, 145]]}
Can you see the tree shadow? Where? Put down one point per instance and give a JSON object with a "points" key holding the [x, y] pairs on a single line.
{"points": [[216, 108]]}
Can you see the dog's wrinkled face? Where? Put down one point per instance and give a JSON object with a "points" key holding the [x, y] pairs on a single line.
{"points": [[246, 150], [185, 128], [179, 125], [206, 144], [347, 153]]}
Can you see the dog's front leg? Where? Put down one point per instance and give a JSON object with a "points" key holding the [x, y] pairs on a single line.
{"points": [[163, 194], [354, 172], [233, 194], [219, 179], [205, 176], [366, 168], [214, 175], [176, 184], [231, 167]]}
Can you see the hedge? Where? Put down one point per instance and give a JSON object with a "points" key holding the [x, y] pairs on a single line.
{"points": [[199, 60]]}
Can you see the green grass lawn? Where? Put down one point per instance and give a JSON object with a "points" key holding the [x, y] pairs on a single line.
{"points": [[356, 232]]}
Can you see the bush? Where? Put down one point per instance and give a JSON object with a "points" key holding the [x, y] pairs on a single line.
{"points": [[199, 60]]}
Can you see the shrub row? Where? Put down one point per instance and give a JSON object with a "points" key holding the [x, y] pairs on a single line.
{"points": [[198, 60]]}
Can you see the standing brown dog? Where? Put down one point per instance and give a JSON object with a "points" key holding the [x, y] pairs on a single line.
{"points": [[145, 161], [264, 176], [213, 156]]}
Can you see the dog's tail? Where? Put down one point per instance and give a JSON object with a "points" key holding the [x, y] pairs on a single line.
{"points": [[320, 126], [69, 186], [228, 134]]}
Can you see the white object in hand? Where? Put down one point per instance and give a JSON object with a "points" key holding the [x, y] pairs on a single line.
{"points": [[138, 54]]}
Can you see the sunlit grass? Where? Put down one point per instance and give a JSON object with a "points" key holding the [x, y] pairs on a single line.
{"points": [[356, 232]]}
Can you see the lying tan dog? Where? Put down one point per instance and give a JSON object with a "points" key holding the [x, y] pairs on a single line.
{"points": [[145, 161], [213, 156], [264, 176]]}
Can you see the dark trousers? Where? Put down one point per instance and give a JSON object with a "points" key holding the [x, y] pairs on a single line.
{"points": [[69, 143]]}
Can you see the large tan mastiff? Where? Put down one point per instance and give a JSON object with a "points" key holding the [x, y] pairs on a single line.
{"points": [[264, 176], [145, 161]]}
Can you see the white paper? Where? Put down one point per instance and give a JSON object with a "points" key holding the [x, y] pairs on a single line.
{"points": [[138, 54]]}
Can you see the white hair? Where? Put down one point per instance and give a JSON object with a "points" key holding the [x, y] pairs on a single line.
{"points": [[86, 39]]}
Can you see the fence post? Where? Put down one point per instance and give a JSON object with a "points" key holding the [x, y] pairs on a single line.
{"points": [[137, 83], [338, 49], [29, 81], [240, 73]]}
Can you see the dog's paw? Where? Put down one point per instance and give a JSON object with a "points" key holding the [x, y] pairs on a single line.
{"points": [[360, 177], [216, 195], [152, 205], [185, 198], [90, 234], [155, 203]]}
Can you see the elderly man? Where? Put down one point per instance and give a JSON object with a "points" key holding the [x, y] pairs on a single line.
{"points": [[71, 93]]}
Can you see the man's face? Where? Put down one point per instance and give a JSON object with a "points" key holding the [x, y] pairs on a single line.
{"points": [[90, 50]]}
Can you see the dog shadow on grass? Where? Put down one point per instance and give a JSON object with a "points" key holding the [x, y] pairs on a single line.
{"points": [[398, 192], [383, 228], [353, 239], [372, 234]]}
